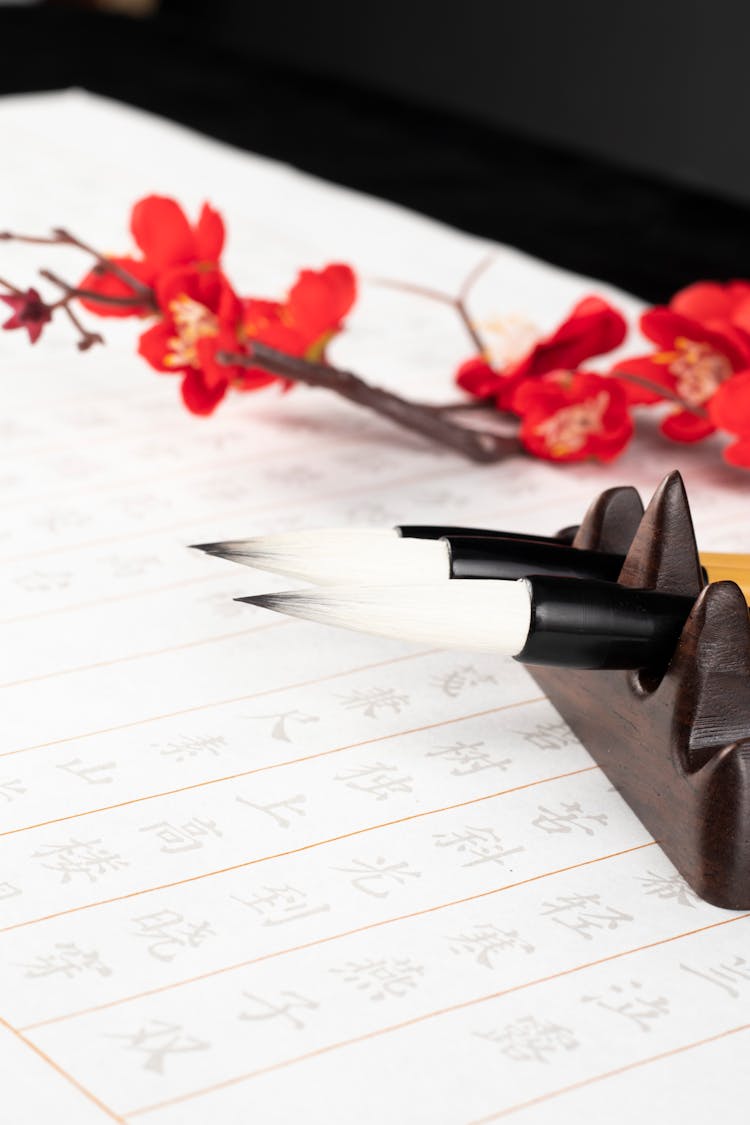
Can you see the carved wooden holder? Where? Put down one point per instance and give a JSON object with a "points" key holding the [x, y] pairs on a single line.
{"points": [[676, 744]]}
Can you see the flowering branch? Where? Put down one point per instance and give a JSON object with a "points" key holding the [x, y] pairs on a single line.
{"points": [[478, 445], [559, 408]]}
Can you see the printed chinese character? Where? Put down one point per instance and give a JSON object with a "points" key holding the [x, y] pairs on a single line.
{"points": [[62, 519], [371, 876], [371, 701], [12, 787], [470, 757], [281, 719], [669, 888], [157, 1040], [261, 1009], [68, 960], [44, 581], [486, 942], [185, 746], [182, 837], [583, 913], [94, 774], [555, 735], [378, 779], [627, 1001], [482, 845], [88, 858], [529, 1039], [280, 811], [384, 977], [725, 976], [166, 932], [458, 680], [570, 817], [130, 567], [277, 905]]}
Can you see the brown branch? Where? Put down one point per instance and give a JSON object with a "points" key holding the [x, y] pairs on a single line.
{"points": [[88, 339], [72, 292], [61, 237], [663, 392], [458, 303], [478, 445], [11, 288]]}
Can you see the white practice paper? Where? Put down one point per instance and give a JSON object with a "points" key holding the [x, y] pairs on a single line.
{"points": [[253, 869]]}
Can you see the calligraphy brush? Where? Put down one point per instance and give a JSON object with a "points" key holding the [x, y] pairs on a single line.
{"points": [[395, 557], [538, 620]]}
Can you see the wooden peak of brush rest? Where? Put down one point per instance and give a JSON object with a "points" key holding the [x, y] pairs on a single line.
{"points": [[675, 742]]}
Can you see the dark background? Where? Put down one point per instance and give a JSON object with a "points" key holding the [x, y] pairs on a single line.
{"points": [[608, 138]]}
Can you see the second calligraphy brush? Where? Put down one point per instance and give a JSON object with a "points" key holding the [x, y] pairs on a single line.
{"points": [[416, 554]]}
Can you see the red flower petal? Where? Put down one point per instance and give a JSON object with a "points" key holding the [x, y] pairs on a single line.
{"points": [[738, 453], [478, 378], [154, 346], [162, 231], [320, 299], [704, 301], [209, 235], [198, 398], [686, 427], [593, 327], [730, 406]]}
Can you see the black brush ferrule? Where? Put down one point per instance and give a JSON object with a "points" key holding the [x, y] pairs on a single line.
{"points": [[477, 557], [440, 531], [595, 624]]}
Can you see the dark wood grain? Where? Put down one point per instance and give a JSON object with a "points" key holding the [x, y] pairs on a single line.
{"points": [[674, 741]]}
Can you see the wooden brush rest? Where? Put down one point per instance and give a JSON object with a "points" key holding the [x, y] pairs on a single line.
{"points": [[675, 742]]}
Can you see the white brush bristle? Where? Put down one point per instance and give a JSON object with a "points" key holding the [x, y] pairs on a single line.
{"points": [[338, 556], [481, 616]]}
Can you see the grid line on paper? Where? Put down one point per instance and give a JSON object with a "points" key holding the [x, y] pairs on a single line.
{"points": [[220, 703], [415, 1020], [278, 765], [105, 1109], [413, 478], [301, 848], [110, 598], [326, 940], [147, 655], [181, 473], [191, 521], [611, 1074]]}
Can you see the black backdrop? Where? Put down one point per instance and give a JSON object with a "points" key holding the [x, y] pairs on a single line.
{"points": [[411, 127]]}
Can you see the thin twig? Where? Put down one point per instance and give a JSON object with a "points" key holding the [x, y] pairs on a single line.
{"points": [[62, 237], [12, 288], [458, 303], [478, 445], [73, 292], [663, 392], [88, 339]]}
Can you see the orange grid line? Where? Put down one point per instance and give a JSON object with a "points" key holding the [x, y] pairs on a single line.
{"points": [[62, 1072], [275, 765], [447, 1010], [217, 703], [611, 1074], [294, 851], [326, 940]]}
